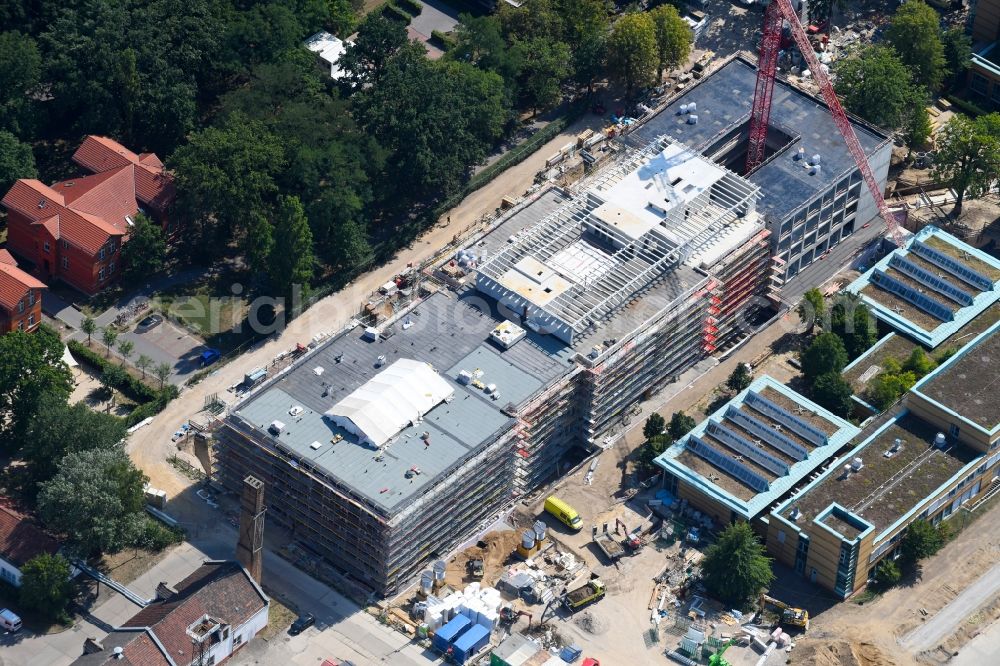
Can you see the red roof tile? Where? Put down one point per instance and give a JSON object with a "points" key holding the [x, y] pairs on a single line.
{"points": [[21, 540], [99, 153], [7, 258], [153, 185], [14, 285]]}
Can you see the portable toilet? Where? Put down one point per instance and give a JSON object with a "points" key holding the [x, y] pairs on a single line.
{"points": [[450, 632], [470, 643], [570, 653]]}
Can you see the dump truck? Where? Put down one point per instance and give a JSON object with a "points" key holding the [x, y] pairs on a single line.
{"points": [[576, 599], [609, 546], [476, 568], [790, 616]]}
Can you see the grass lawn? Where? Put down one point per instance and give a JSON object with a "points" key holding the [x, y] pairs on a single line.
{"points": [[131, 563], [210, 309], [279, 616]]}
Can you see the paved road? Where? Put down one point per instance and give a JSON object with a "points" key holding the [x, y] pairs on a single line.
{"points": [[983, 649], [938, 628]]}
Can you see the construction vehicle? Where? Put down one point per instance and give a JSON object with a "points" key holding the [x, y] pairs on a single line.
{"points": [[476, 568], [564, 512], [767, 64], [717, 659], [790, 616], [609, 546], [592, 591], [508, 616]]}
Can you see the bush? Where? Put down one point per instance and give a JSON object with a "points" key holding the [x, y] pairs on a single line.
{"points": [[887, 574], [394, 13], [443, 40], [45, 585], [411, 7], [156, 536], [654, 426], [969, 108]]}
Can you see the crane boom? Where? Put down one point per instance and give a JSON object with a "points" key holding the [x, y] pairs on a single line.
{"points": [[766, 69]]}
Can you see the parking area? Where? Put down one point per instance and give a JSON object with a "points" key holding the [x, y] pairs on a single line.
{"points": [[168, 343], [436, 15]]}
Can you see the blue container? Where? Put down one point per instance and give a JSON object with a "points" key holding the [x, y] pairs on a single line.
{"points": [[471, 642], [570, 653], [450, 632]]}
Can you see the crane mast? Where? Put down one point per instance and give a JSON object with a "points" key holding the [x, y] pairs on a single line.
{"points": [[760, 115]]}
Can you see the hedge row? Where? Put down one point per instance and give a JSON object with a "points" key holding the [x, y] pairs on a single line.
{"points": [[445, 41], [394, 13], [151, 401], [411, 7]]}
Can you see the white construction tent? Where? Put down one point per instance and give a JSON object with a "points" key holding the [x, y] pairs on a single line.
{"points": [[390, 401]]}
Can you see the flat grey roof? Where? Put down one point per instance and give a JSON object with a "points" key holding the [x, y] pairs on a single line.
{"points": [[448, 331], [724, 100]]}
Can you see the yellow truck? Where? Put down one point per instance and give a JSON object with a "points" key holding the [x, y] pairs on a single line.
{"points": [[592, 591], [564, 512]]}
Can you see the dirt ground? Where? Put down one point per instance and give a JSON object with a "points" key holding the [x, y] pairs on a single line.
{"points": [[495, 555]]}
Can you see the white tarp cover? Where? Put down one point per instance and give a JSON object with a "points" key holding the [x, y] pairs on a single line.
{"points": [[389, 401]]}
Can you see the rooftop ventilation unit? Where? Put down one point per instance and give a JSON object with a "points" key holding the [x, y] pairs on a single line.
{"points": [[846, 470], [693, 119], [692, 107], [795, 514], [276, 427], [801, 154], [857, 464], [940, 441], [814, 169], [815, 159]]}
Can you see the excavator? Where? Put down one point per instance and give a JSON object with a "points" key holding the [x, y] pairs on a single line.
{"points": [[717, 659], [790, 616]]}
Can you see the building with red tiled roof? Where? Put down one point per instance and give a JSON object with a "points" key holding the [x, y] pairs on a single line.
{"points": [[205, 619], [20, 541], [20, 297], [73, 230]]}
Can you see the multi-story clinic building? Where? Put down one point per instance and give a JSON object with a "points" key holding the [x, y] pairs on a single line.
{"points": [[386, 448], [831, 500], [812, 193]]}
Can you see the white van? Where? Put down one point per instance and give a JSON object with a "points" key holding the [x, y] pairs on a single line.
{"points": [[9, 621]]}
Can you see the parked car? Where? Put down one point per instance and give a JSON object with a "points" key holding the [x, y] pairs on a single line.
{"points": [[9, 621], [302, 623], [147, 323], [210, 356]]}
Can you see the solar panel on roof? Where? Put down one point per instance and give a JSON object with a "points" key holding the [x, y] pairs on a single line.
{"points": [[952, 265], [793, 423], [928, 279], [929, 305], [775, 439], [752, 479], [746, 448]]}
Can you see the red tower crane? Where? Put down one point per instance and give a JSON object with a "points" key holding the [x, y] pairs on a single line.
{"points": [[767, 64]]}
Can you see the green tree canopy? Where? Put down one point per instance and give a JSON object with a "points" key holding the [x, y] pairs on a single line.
{"points": [[957, 51], [31, 368], [652, 449], [532, 20], [46, 586], [968, 155], [292, 262], [739, 378], [673, 38], [20, 73], [919, 363], [915, 34], [887, 574], [825, 354], [145, 252], [812, 308], [378, 40], [735, 568], [96, 499], [654, 425], [66, 429], [853, 322], [544, 64], [921, 540], [888, 387], [832, 391], [680, 425], [875, 84], [16, 161], [632, 53]]}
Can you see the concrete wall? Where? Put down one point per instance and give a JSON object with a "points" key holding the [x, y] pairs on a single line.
{"points": [[933, 413], [9, 573], [986, 21]]}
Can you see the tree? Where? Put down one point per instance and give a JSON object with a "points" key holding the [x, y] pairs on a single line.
{"points": [[915, 34], [631, 51], [162, 372], [654, 426], [532, 20], [88, 326], [109, 337], [832, 391], [66, 429], [292, 262], [145, 252], [589, 58], [96, 499], [735, 568], [825, 354], [851, 320], [378, 40], [812, 308], [957, 52], [16, 161], [739, 378], [258, 244], [968, 156], [919, 363], [878, 86], [673, 38], [544, 63], [652, 449], [31, 367], [887, 388], [111, 378], [144, 363], [917, 127], [20, 73], [225, 176], [887, 574], [46, 586], [680, 425], [125, 348], [342, 16], [921, 540]]}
